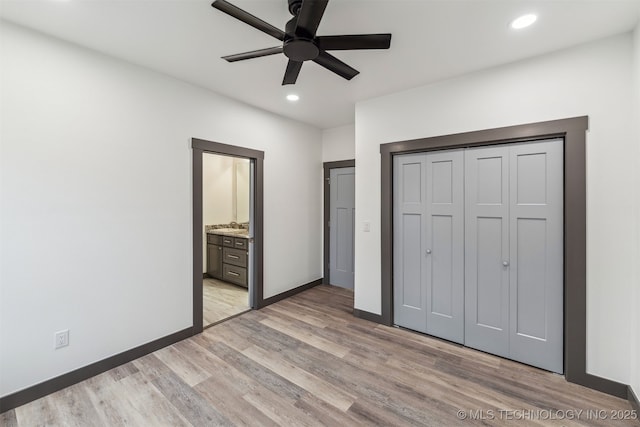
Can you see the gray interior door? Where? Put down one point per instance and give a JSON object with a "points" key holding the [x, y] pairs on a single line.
{"points": [[429, 243], [444, 250], [536, 254], [514, 251], [341, 226], [487, 249], [409, 235]]}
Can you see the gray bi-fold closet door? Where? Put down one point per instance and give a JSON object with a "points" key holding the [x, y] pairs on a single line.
{"points": [[512, 238], [429, 243]]}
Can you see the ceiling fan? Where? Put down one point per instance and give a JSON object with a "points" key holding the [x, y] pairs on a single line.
{"points": [[300, 42]]}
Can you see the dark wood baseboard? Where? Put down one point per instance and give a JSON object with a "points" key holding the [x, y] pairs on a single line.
{"points": [[37, 391], [368, 316], [633, 400], [289, 293], [604, 385]]}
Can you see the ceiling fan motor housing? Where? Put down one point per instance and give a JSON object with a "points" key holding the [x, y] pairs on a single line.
{"points": [[298, 47]]}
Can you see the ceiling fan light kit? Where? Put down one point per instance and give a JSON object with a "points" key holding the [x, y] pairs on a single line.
{"points": [[299, 40]]}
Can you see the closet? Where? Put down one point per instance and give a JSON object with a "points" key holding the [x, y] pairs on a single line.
{"points": [[478, 247]]}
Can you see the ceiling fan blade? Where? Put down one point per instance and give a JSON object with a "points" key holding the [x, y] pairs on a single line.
{"points": [[253, 54], [356, 41], [291, 74], [332, 63], [248, 18], [309, 17]]}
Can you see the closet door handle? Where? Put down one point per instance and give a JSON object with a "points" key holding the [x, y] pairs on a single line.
{"points": [[505, 263], [428, 251]]}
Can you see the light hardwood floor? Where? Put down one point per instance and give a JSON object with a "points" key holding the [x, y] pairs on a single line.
{"points": [[306, 361], [221, 300]]}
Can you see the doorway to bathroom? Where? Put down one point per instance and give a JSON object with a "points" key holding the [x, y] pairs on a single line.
{"points": [[226, 228], [227, 231]]}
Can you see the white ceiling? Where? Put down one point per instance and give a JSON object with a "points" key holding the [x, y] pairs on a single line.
{"points": [[432, 40]]}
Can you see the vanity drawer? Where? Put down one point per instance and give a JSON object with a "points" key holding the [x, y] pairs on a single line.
{"points": [[240, 243], [234, 274], [237, 257], [214, 239], [227, 241]]}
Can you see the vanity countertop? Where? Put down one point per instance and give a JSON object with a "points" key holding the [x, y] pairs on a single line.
{"points": [[235, 232]]}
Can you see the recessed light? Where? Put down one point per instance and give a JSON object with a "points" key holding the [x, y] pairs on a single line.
{"points": [[523, 21], [292, 97]]}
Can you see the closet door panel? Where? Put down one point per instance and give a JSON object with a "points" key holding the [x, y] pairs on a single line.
{"points": [[536, 253], [487, 249], [489, 276], [441, 280], [409, 293], [445, 245]]}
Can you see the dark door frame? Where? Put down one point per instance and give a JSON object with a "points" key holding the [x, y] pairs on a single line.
{"points": [[327, 166], [199, 147], [573, 132]]}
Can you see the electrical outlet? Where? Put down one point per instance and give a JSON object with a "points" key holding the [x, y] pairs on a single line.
{"points": [[62, 339]]}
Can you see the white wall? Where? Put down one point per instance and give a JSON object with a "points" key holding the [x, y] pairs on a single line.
{"points": [[217, 189], [591, 80], [242, 189], [339, 143], [217, 194], [95, 184], [635, 309]]}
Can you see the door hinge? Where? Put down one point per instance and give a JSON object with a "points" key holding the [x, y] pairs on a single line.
{"points": [[329, 224]]}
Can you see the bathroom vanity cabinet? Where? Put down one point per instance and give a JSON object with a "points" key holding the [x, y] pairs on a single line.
{"points": [[227, 258]]}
